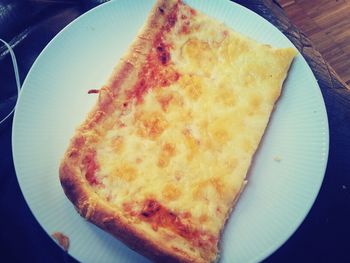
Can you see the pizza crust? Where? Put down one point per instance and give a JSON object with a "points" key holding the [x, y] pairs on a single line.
{"points": [[101, 214]]}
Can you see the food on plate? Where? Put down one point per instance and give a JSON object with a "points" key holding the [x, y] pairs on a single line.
{"points": [[62, 240], [162, 158]]}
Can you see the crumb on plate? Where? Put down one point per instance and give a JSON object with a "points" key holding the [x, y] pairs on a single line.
{"points": [[277, 159], [62, 240]]}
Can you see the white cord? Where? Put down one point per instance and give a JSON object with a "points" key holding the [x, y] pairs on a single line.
{"points": [[18, 83]]}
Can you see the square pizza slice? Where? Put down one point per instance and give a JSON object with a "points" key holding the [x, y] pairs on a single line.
{"points": [[162, 158]]}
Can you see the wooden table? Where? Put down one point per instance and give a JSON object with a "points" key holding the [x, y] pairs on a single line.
{"points": [[322, 237]]}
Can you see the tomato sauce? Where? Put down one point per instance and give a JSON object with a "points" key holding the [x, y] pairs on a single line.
{"points": [[91, 166], [159, 216], [158, 70]]}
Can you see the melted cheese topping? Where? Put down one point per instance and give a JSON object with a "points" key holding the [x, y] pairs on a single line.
{"points": [[189, 144]]}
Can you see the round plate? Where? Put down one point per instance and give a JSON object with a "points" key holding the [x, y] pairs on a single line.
{"points": [[285, 176]]}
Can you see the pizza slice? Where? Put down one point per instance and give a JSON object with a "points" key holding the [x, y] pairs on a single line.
{"points": [[163, 156]]}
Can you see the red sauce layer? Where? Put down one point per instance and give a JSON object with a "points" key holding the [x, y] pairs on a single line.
{"points": [[159, 216], [158, 70], [91, 166]]}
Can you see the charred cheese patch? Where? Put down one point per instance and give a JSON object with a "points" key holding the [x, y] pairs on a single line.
{"points": [[175, 158]]}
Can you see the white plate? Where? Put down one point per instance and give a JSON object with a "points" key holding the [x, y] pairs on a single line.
{"points": [[54, 101]]}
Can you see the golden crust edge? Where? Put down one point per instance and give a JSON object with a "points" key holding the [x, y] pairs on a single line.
{"points": [[98, 212]]}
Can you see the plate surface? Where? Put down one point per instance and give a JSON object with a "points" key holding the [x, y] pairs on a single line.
{"points": [[54, 101]]}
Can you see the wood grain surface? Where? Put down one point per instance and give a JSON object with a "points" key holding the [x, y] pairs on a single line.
{"points": [[327, 24]]}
